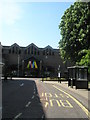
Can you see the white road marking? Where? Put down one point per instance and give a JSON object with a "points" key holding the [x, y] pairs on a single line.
{"points": [[42, 116], [17, 116], [0, 108], [22, 84], [32, 96], [27, 105], [34, 92]]}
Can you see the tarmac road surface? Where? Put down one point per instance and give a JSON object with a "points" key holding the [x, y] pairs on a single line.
{"points": [[40, 100]]}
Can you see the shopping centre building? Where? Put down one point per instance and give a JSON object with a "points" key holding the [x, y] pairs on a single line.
{"points": [[32, 61]]}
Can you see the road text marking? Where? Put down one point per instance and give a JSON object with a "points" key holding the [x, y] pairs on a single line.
{"points": [[49, 100], [83, 108]]}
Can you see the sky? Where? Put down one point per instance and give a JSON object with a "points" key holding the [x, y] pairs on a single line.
{"points": [[32, 22]]}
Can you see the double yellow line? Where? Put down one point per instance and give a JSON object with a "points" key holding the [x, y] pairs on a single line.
{"points": [[83, 108]]}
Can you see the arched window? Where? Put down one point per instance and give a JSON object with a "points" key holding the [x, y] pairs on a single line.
{"points": [[49, 51], [28, 50], [44, 52], [38, 53], [13, 50], [52, 53], [32, 50], [9, 51], [25, 51], [19, 51], [35, 51]]}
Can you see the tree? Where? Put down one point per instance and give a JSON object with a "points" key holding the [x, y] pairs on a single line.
{"points": [[85, 60], [75, 31]]}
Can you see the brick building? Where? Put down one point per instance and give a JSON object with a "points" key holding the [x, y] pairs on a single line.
{"points": [[31, 61]]}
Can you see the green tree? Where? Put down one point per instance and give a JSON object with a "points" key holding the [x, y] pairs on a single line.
{"points": [[75, 31]]}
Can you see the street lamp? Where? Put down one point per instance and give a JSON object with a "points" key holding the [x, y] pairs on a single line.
{"points": [[59, 74], [40, 67], [22, 67], [18, 64], [46, 65]]}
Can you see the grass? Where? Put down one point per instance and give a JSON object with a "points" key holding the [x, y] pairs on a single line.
{"points": [[53, 79]]}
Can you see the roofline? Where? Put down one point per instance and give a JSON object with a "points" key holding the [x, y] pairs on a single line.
{"points": [[31, 44]]}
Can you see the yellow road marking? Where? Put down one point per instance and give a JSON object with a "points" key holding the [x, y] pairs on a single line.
{"points": [[63, 102], [67, 96], [83, 108], [46, 104], [56, 95], [69, 104], [42, 94], [51, 103], [58, 103], [48, 95], [61, 95]]}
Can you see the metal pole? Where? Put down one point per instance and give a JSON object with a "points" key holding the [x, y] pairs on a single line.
{"points": [[46, 66], [22, 67], [40, 67], [18, 65]]}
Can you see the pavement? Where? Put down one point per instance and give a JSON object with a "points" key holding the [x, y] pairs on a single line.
{"points": [[82, 92]]}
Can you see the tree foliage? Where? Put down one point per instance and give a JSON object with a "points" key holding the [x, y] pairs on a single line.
{"points": [[75, 31]]}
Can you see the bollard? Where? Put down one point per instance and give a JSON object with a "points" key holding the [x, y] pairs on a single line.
{"points": [[71, 83]]}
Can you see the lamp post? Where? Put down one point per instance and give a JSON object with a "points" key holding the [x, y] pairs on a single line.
{"points": [[22, 67], [46, 66], [40, 67], [59, 74], [18, 65]]}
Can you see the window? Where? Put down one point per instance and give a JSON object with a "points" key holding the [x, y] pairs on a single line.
{"points": [[35, 51], [32, 50], [9, 50], [16, 50], [49, 52], [44, 52], [38, 53], [25, 51], [13, 51], [19, 51], [2, 50], [29, 51], [52, 53]]}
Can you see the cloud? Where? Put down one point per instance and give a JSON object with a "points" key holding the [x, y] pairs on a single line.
{"points": [[10, 12]]}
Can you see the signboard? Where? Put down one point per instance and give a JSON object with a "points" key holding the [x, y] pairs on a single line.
{"points": [[32, 64], [59, 74]]}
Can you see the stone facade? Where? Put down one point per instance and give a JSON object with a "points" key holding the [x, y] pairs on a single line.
{"points": [[17, 58]]}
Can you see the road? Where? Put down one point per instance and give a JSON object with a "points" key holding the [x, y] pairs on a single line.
{"points": [[35, 99]]}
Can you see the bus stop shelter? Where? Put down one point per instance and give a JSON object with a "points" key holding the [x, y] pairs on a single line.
{"points": [[78, 77]]}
